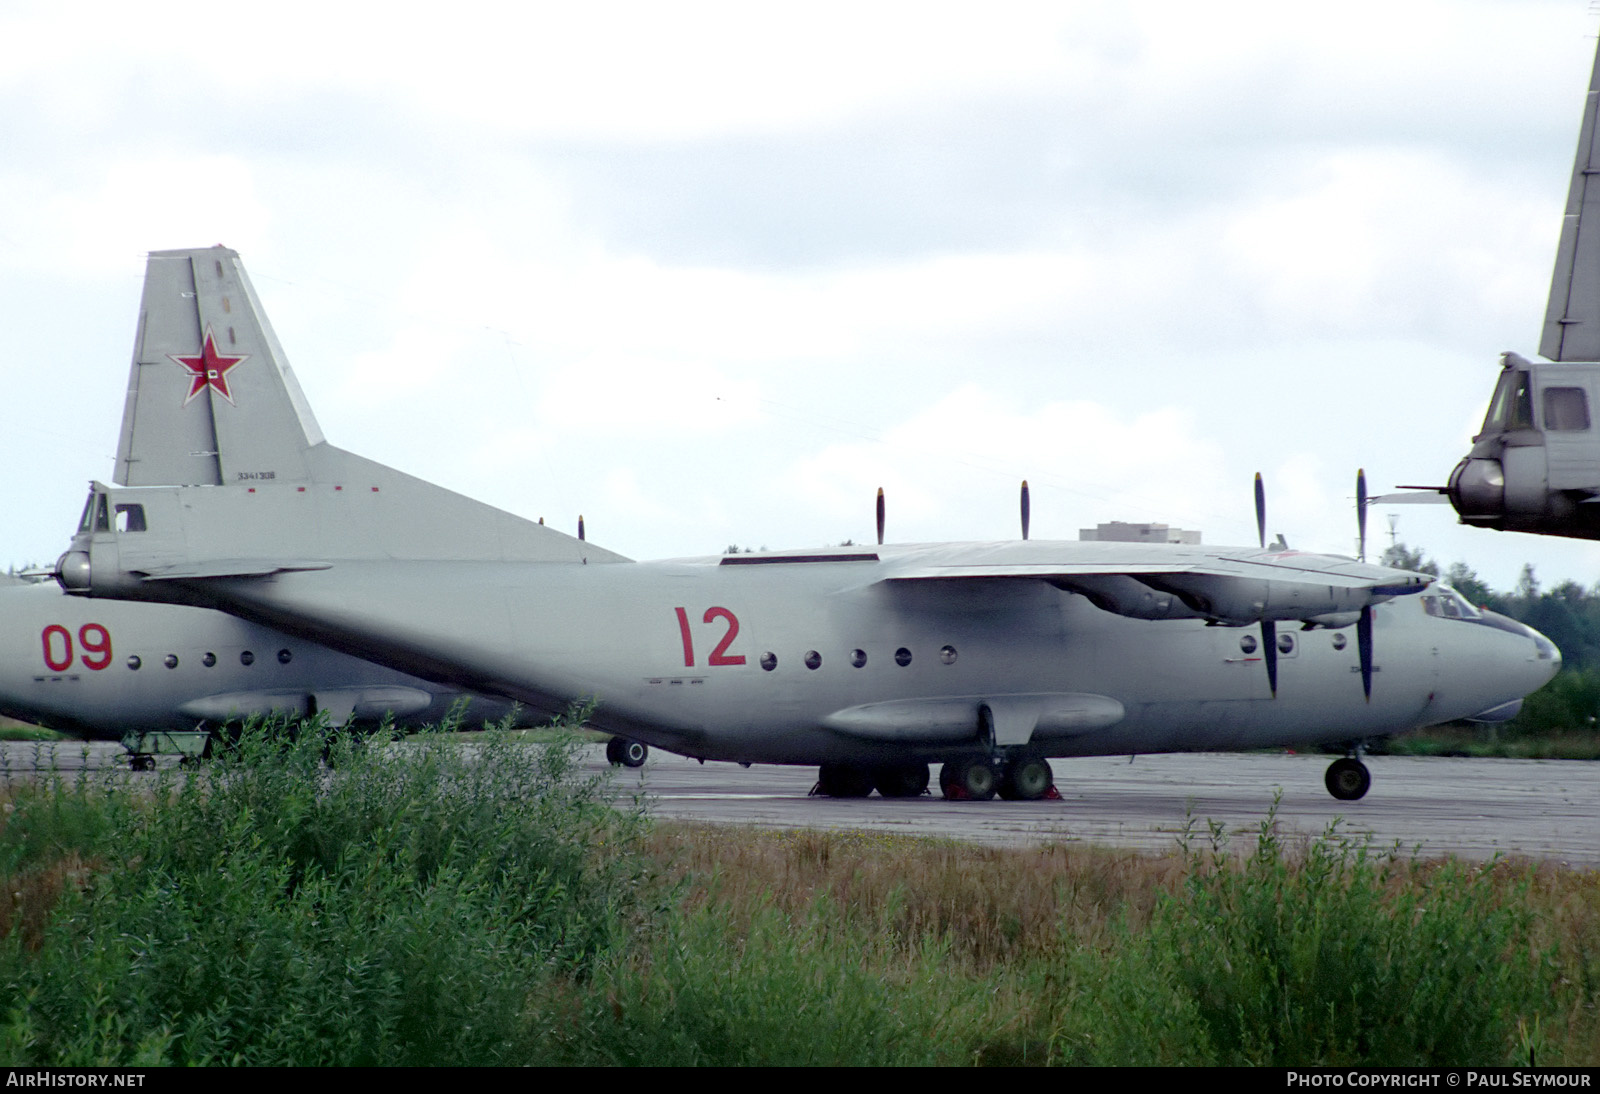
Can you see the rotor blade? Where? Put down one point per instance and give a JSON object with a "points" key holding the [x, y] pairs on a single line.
{"points": [[1269, 651], [1025, 509], [880, 516], [1361, 512], [1364, 648], [1261, 510]]}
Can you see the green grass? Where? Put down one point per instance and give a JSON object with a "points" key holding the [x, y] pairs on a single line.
{"points": [[391, 906], [13, 730], [450, 900], [827, 948], [1484, 742]]}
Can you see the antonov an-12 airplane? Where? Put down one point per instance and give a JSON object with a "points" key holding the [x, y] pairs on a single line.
{"points": [[869, 662]]}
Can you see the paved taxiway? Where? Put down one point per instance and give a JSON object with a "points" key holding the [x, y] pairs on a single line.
{"points": [[1543, 809]]}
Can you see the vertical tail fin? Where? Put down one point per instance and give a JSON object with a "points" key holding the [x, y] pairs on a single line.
{"points": [[212, 402], [1572, 319], [211, 397]]}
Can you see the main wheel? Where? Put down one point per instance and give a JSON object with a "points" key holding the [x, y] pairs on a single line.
{"points": [[1026, 780], [968, 780], [843, 781], [901, 781], [626, 752], [1348, 779]]}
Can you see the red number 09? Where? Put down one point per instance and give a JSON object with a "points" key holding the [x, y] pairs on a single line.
{"points": [[719, 655], [94, 639]]}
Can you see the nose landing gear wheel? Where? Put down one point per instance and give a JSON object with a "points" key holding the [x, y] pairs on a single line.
{"points": [[968, 780], [1348, 779]]}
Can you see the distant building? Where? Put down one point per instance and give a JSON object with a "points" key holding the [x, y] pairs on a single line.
{"points": [[1120, 532]]}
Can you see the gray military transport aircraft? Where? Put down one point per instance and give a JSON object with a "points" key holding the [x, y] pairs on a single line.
{"points": [[871, 663], [1535, 464]]}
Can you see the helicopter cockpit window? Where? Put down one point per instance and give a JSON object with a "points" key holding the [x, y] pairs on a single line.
{"points": [[130, 518], [102, 514], [1566, 409], [1512, 405]]}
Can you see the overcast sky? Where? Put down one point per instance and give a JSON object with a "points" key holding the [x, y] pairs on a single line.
{"points": [[713, 273]]}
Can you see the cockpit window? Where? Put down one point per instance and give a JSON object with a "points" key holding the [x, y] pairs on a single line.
{"points": [[86, 522], [1566, 409], [1446, 603], [1512, 405]]}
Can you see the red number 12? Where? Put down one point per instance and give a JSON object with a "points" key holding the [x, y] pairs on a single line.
{"points": [[720, 655]]}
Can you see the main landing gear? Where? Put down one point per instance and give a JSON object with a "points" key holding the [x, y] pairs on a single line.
{"points": [[626, 752], [980, 778], [1348, 779], [850, 781], [1018, 779]]}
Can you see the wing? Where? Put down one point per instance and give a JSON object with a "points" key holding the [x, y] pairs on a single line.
{"points": [[1160, 581]]}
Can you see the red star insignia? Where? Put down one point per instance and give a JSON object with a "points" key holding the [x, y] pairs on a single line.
{"points": [[209, 369]]}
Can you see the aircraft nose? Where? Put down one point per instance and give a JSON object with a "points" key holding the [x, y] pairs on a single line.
{"points": [[1519, 662], [1545, 656]]}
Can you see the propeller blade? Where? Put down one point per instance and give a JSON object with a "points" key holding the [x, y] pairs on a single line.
{"points": [[1269, 652], [1025, 509], [1261, 510], [1361, 512], [580, 525], [880, 516], [1364, 648]]}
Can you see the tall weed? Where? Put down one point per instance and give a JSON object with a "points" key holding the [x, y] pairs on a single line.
{"points": [[305, 900], [1346, 955]]}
